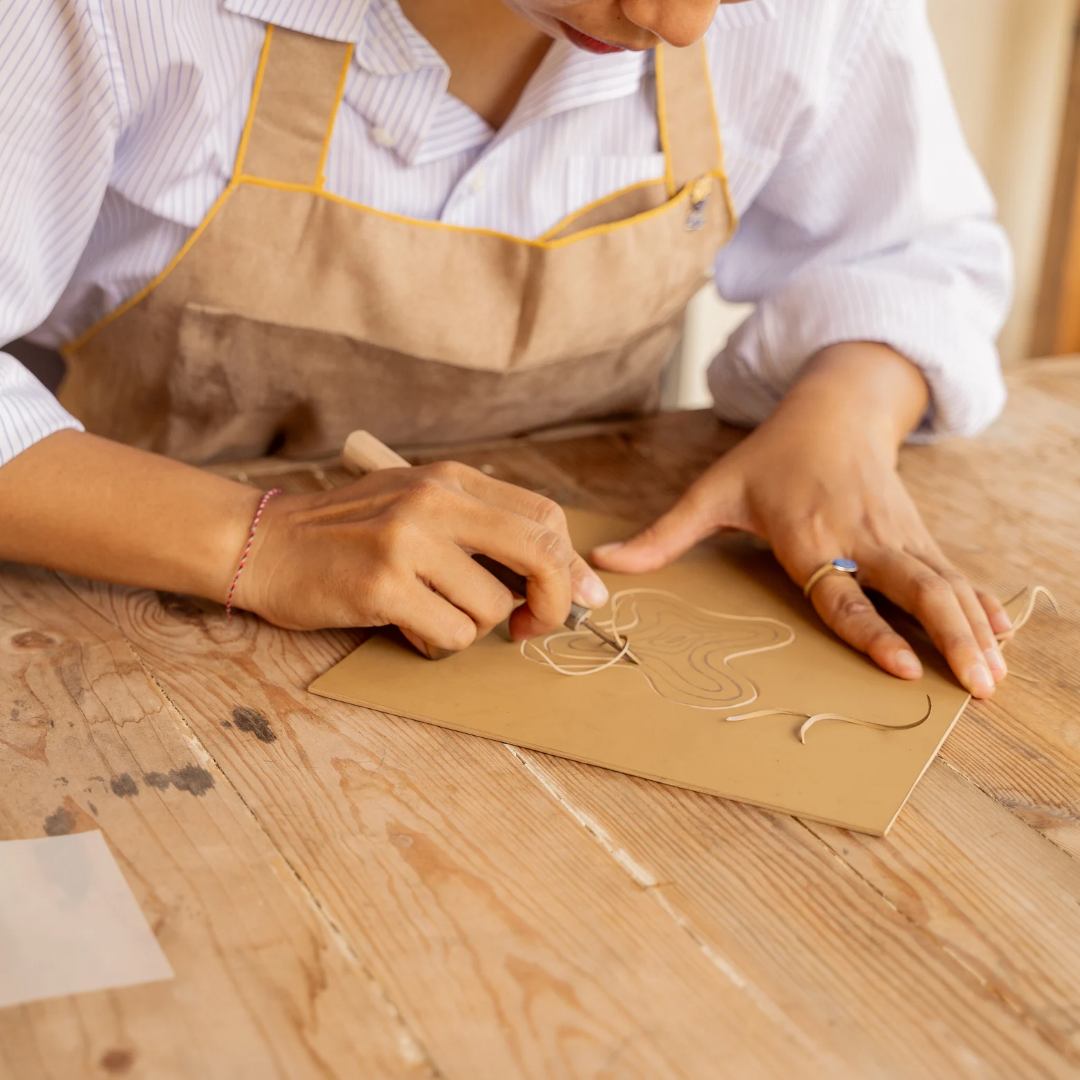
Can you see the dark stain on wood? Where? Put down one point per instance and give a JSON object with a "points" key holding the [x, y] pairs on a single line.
{"points": [[253, 722], [14, 714], [179, 606], [192, 779], [93, 808], [33, 639], [117, 1060], [60, 823], [123, 785], [157, 780]]}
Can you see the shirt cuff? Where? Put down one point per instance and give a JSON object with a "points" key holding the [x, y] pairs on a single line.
{"points": [[28, 412], [946, 329]]}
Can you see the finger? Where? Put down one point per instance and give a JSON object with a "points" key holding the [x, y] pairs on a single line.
{"points": [[586, 588], [434, 625], [921, 591], [468, 586], [424, 648], [707, 505], [546, 558], [999, 619], [974, 612], [848, 612]]}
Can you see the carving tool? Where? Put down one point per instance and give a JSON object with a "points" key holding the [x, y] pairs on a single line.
{"points": [[364, 453]]}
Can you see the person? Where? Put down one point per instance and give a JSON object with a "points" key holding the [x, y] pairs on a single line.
{"points": [[252, 226]]}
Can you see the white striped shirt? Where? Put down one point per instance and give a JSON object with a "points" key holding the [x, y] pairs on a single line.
{"points": [[863, 213]]}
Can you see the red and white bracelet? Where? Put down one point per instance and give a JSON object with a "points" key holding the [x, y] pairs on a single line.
{"points": [[247, 548]]}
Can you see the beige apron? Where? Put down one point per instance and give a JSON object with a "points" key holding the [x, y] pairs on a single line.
{"points": [[292, 316]]}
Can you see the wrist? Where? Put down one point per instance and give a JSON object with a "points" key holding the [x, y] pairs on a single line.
{"points": [[225, 541], [237, 595], [861, 388]]}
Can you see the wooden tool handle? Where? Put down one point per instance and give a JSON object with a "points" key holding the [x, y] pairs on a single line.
{"points": [[364, 453]]}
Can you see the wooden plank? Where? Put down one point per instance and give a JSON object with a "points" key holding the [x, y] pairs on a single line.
{"points": [[264, 987], [511, 943], [900, 996], [1005, 510], [997, 896], [1057, 319]]}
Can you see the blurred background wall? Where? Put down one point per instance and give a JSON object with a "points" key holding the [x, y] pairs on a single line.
{"points": [[1008, 64]]}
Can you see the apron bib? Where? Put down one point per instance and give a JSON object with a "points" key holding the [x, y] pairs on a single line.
{"points": [[291, 316]]}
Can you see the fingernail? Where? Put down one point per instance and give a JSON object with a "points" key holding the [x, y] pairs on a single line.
{"points": [[996, 662], [608, 549], [1001, 623], [593, 591], [907, 664], [979, 680]]}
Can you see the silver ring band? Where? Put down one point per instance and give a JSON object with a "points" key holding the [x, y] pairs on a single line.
{"points": [[833, 566]]}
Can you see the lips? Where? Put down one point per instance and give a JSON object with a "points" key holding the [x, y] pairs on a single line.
{"points": [[589, 44]]}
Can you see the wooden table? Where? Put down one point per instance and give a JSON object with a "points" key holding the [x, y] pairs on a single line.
{"points": [[352, 895]]}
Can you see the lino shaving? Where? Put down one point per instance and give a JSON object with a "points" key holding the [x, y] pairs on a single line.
{"points": [[618, 631], [810, 721]]}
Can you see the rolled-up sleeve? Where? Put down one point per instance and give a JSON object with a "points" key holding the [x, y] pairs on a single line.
{"points": [[58, 125], [877, 226]]}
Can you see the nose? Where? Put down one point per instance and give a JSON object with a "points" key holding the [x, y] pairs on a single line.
{"points": [[678, 22]]}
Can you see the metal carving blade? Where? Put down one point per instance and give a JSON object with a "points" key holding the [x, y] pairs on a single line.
{"points": [[627, 654]]}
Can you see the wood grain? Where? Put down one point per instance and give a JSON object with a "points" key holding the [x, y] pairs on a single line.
{"points": [[1007, 510], [816, 936], [358, 895], [263, 985], [971, 875], [513, 946]]}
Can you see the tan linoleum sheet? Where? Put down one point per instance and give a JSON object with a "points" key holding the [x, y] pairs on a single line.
{"points": [[853, 776]]}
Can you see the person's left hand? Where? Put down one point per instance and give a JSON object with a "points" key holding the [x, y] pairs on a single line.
{"points": [[818, 481]]}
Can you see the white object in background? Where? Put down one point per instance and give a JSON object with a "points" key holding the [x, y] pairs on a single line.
{"points": [[710, 321], [69, 923]]}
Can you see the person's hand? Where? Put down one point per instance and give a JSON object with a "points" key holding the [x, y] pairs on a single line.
{"points": [[394, 549], [818, 481]]}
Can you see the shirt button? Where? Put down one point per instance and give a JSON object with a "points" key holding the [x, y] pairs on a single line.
{"points": [[476, 184], [383, 137]]}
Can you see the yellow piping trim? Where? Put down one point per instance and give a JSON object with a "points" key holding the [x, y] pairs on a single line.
{"points": [[245, 138], [141, 295], [661, 119], [320, 181], [541, 243], [720, 165], [712, 105], [571, 218], [596, 230]]}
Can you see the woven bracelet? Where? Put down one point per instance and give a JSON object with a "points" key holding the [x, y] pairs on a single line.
{"points": [[247, 548]]}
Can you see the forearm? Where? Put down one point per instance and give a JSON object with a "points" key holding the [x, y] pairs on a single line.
{"points": [[82, 504], [860, 386]]}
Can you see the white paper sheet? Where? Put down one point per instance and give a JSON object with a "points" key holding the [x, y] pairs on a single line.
{"points": [[68, 921]]}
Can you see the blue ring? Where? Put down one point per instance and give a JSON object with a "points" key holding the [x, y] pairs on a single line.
{"points": [[848, 566]]}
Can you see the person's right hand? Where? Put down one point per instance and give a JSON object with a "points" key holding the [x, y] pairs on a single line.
{"points": [[394, 549]]}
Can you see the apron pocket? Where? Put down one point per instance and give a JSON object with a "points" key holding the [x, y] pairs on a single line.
{"points": [[589, 179]]}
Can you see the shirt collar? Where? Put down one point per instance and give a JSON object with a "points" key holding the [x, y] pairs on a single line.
{"points": [[570, 78], [391, 52], [390, 45], [335, 20]]}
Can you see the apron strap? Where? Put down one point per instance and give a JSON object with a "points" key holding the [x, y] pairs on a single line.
{"points": [[301, 79], [298, 89], [689, 129]]}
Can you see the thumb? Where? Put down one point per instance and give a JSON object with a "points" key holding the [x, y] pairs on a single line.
{"points": [[710, 504]]}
